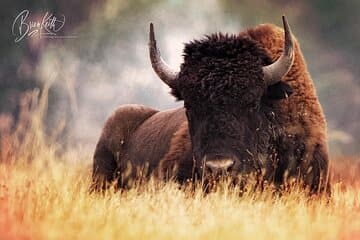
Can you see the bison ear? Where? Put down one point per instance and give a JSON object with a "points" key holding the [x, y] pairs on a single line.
{"points": [[176, 93], [279, 90]]}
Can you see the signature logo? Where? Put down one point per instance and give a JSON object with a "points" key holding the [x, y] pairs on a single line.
{"points": [[48, 27]]}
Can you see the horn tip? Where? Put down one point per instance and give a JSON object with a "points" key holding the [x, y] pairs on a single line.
{"points": [[285, 23], [151, 33]]}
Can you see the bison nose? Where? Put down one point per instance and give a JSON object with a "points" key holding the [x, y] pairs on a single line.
{"points": [[219, 166]]}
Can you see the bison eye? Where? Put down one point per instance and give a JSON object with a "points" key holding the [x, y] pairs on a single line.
{"points": [[279, 90]]}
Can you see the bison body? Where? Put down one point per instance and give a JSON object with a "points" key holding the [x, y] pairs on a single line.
{"points": [[233, 122]]}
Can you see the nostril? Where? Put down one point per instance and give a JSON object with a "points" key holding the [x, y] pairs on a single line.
{"points": [[219, 166]]}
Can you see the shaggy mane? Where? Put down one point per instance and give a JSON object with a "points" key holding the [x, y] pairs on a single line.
{"points": [[222, 45], [221, 65]]}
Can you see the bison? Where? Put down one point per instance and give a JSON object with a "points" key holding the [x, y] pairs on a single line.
{"points": [[250, 107]]}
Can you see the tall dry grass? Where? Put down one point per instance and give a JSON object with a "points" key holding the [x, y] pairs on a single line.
{"points": [[44, 195]]}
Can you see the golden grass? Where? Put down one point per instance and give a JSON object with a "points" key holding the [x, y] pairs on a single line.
{"points": [[45, 196], [52, 202]]}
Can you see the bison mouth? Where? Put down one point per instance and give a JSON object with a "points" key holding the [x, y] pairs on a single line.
{"points": [[240, 182]]}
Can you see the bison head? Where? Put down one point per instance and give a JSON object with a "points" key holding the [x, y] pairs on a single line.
{"points": [[228, 83]]}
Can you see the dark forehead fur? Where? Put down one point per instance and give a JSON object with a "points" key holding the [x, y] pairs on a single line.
{"points": [[221, 68]]}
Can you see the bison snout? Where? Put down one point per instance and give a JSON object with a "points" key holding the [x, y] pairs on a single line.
{"points": [[220, 166]]}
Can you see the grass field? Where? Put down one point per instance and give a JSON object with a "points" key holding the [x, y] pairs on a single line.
{"points": [[52, 202], [44, 195]]}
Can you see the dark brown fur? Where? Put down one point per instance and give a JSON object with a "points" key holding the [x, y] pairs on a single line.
{"points": [[133, 141], [111, 145], [301, 115], [140, 135]]}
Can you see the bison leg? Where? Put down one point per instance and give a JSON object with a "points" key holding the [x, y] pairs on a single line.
{"points": [[307, 166], [178, 162], [104, 168], [316, 174]]}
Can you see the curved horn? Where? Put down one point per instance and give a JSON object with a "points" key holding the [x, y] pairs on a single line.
{"points": [[275, 71], [164, 72]]}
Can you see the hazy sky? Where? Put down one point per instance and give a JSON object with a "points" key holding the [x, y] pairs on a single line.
{"points": [[114, 78]]}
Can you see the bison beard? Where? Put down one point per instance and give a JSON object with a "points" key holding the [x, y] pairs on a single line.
{"points": [[238, 118]]}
